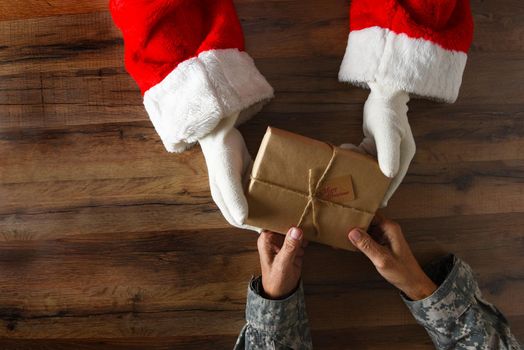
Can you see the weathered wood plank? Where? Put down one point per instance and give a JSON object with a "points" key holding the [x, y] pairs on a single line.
{"points": [[459, 189], [115, 219], [39, 209], [91, 176], [308, 21], [48, 44], [107, 94], [494, 21], [384, 337], [440, 141], [212, 342], [157, 277], [24, 9]]}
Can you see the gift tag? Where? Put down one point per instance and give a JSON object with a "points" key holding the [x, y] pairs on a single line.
{"points": [[338, 190]]}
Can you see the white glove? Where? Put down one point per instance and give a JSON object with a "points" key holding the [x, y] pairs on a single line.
{"points": [[387, 134], [228, 161]]}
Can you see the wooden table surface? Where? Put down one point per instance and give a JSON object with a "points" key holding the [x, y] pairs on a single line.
{"points": [[109, 242]]}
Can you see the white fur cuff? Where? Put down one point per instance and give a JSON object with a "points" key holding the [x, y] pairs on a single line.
{"points": [[416, 66], [199, 92]]}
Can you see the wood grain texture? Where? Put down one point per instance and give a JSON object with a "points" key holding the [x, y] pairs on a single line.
{"points": [[26, 9], [109, 242]]}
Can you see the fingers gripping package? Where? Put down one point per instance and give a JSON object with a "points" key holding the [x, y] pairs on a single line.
{"points": [[321, 188]]}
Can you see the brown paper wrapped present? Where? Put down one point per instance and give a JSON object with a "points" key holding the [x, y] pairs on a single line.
{"points": [[323, 189]]}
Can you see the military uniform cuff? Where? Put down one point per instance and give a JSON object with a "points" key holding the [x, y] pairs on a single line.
{"points": [[452, 298], [273, 315]]}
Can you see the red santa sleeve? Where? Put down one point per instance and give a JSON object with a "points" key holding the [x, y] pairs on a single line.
{"points": [[418, 46], [187, 57]]}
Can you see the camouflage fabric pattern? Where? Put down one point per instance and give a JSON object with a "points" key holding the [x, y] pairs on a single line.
{"points": [[456, 316], [274, 324]]}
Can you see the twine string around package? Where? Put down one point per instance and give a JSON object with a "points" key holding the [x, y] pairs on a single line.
{"points": [[311, 195], [312, 192]]}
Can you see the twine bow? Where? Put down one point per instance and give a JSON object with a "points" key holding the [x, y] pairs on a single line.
{"points": [[312, 192]]}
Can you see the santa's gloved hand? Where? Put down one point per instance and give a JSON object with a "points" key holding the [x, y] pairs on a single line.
{"points": [[228, 162], [387, 134]]}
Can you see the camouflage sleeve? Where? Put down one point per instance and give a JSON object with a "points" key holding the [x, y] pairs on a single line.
{"points": [[455, 315], [274, 324]]}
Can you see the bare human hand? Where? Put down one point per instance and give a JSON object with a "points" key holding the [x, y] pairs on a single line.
{"points": [[388, 250], [281, 262]]}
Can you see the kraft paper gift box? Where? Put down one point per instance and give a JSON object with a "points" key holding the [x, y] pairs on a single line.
{"points": [[323, 189]]}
